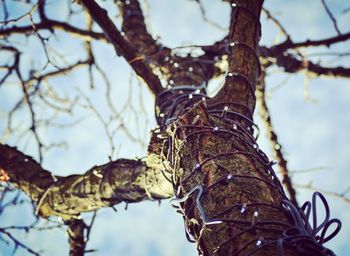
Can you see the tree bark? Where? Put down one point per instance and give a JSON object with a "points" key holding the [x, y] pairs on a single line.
{"points": [[204, 151], [118, 181], [231, 200], [218, 155]]}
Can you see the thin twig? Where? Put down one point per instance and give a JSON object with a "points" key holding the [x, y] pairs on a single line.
{"points": [[276, 145], [331, 16]]}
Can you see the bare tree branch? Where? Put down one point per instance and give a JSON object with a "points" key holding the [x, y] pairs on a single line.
{"points": [[76, 229], [10, 68], [33, 126], [52, 25], [277, 23], [291, 64], [121, 46], [61, 72], [135, 29], [176, 69], [206, 19], [276, 145], [118, 181], [331, 16], [204, 151], [18, 243], [289, 44], [338, 195]]}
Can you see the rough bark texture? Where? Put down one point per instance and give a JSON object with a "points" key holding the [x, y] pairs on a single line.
{"points": [[219, 156], [118, 181], [204, 151], [251, 185], [121, 46], [76, 228]]}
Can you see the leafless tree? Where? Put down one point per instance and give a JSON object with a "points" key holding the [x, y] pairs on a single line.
{"points": [[203, 151]]}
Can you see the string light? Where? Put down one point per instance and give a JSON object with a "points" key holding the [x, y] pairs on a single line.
{"points": [[241, 127], [196, 119], [224, 111], [243, 208], [167, 102], [259, 241]]}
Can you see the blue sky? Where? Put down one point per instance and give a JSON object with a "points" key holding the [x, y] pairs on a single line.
{"points": [[312, 134]]}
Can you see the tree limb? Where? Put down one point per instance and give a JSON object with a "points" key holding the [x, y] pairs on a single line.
{"points": [[51, 25], [338, 195], [121, 46], [331, 16], [135, 28], [62, 71], [77, 243], [276, 146], [178, 70], [118, 181], [291, 64], [277, 23], [289, 44]]}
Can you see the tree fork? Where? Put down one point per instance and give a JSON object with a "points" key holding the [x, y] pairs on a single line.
{"points": [[118, 181], [231, 199]]}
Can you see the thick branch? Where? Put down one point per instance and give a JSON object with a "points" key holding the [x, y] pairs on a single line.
{"points": [[291, 64], [121, 46], [178, 70], [198, 69], [24, 172], [118, 181], [289, 44], [135, 28]]}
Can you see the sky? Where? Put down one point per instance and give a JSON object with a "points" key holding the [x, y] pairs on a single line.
{"points": [[313, 129]]}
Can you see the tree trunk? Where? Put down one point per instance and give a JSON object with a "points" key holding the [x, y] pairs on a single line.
{"points": [[231, 200], [232, 193]]}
